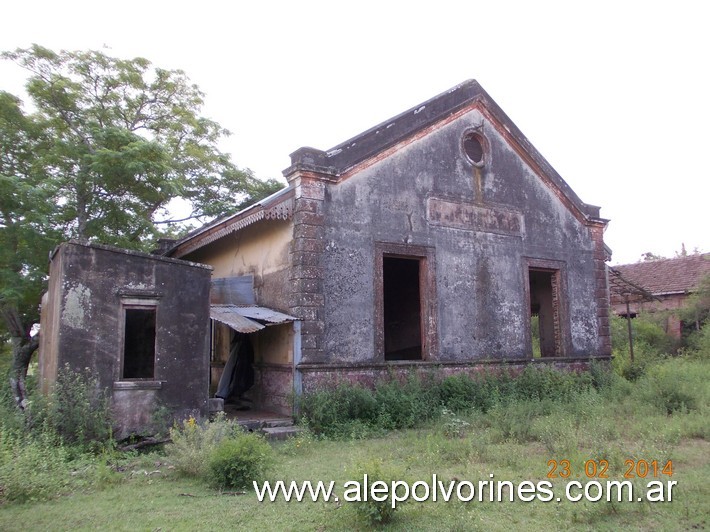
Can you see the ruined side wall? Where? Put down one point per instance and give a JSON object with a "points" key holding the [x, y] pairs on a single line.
{"points": [[94, 282], [49, 324], [260, 250], [426, 194], [273, 365]]}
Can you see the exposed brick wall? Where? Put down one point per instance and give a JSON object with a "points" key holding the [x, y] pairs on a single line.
{"points": [[306, 300], [327, 375], [601, 292], [275, 384], [556, 314]]}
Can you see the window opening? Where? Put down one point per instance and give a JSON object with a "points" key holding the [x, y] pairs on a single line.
{"points": [[139, 343], [402, 308], [544, 313], [474, 149]]}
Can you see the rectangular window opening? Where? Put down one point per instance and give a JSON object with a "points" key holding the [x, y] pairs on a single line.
{"points": [[545, 313], [139, 343], [402, 308]]}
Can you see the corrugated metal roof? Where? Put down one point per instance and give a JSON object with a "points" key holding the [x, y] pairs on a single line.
{"points": [[265, 314], [227, 314], [242, 319]]}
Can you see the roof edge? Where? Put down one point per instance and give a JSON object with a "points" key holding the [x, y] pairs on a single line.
{"points": [[134, 253], [271, 207], [339, 159]]}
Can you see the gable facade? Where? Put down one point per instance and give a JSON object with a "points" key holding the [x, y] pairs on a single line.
{"points": [[435, 241]]}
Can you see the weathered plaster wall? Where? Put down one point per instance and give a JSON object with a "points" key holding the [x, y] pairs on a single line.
{"points": [[260, 250], [414, 196], [274, 344], [88, 291], [49, 320]]}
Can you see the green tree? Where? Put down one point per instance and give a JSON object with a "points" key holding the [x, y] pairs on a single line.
{"points": [[26, 233], [695, 313], [109, 144]]}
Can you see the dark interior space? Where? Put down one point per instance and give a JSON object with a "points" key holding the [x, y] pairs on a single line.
{"points": [[402, 309], [542, 307], [473, 148], [238, 375], [139, 344]]}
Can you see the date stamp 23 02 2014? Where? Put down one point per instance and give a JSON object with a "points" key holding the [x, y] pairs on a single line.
{"points": [[600, 469]]}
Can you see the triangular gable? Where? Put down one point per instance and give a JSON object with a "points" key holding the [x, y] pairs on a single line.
{"points": [[355, 154]]}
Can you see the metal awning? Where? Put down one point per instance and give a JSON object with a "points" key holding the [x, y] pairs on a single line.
{"points": [[268, 315], [248, 319]]}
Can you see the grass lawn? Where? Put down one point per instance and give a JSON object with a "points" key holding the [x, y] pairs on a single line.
{"points": [[665, 416], [141, 499]]}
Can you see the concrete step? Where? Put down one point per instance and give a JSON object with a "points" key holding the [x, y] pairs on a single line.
{"points": [[272, 423], [280, 433]]}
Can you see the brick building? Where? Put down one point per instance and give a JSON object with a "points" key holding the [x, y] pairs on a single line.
{"points": [[430, 242], [668, 283]]}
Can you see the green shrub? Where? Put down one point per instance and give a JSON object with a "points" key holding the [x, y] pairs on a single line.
{"points": [[349, 410], [675, 385], [330, 411], [32, 468], [193, 442], [461, 393], [404, 405], [372, 511], [77, 410], [699, 342], [651, 343], [540, 383], [557, 432], [238, 461]]}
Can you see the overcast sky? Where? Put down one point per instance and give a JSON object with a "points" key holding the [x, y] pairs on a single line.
{"points": [[615, 95]]}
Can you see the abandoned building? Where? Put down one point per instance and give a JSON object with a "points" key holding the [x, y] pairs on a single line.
{"points": [[138, 322], [658, 286], [433, 242], [430, 242]]}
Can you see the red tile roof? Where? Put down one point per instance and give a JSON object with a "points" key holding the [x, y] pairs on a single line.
{"points": [[666, 276]]}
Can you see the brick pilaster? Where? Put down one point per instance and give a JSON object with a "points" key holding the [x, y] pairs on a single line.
{"points": [[306, 300], [601, 292]]}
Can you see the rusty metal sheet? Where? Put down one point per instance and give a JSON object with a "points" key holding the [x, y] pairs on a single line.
{"points": [[229, 315], [265, 314], [233, 291]]}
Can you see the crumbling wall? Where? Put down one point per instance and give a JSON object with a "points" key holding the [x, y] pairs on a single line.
{"points": [[260, 250], [485, 226], [92, 286]]}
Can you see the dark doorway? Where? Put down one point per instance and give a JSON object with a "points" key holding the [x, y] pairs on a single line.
{"points": [[238, 375], [402, 308], [544, 313], [139, 344]]}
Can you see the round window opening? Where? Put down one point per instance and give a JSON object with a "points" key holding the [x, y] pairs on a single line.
{"points": [[473, 147]]}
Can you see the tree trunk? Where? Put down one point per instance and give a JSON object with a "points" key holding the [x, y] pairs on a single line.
{"points": [[22, 350], [23, 347]]}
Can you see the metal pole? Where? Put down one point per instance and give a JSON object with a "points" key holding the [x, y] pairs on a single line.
{"points": [[628, 323]]}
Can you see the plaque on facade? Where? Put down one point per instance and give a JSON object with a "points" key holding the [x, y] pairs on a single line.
{"points": [[470, 217]]}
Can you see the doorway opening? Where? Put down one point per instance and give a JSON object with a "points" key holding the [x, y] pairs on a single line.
{"points": [[544, 313], [402, 308]]}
